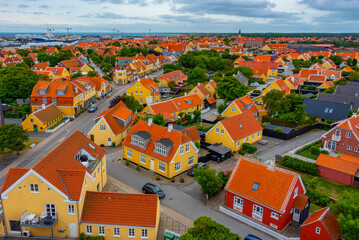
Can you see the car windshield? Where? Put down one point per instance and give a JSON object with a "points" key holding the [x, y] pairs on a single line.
{"points": [[156, 189]]}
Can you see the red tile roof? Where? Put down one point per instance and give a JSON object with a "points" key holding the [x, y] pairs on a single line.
{"points": [[300, 202], [192, 133], [175, 76], [211, 100], [327, 218], [241, 126], [315, 77], [73, 182], [126, 209], [345, 163], [245, 104], [306, 72], [275, 184], [12, 176], [48, 113]]}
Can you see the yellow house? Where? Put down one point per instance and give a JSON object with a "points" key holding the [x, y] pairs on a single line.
{"points": [[233, 132], [294, 81], [266, 48], [43, 119], [171, 109], [211, 86], [112, 125], [279, 84], [122, 74], [201, 90], [146, 91], [158, 49], [163, 150], [175, 76], [240, 106], [47, 200], [59, 72]]}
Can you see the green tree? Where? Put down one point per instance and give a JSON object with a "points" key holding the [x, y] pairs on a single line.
{"points": [[354, 76], [246, 71], [23, 52], [221, 108], [92, 74], [170, 68], [13, 137], [130, 102], [197, 75], [347, 211], [336, 59], [29, 62], [171, 85], [355, 62], [273, 102], [18, 82], [204, 228], [229, 89], [208, 180], [159, 120], [76, 75]]}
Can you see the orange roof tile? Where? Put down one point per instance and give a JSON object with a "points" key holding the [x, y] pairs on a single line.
{"points": [[73, 182], [175, 76], [241, 126], [245, 104], [262, 58], [300, 202], [275, 184], [306, 72], [345, 164], [315, 77], [192, 133], [126, 209], [211, 100], [12, 176]]}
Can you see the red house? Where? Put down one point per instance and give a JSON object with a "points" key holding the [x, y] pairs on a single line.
{"points": [[344, 137], [321, 225], [343, 169], [266, 193]]}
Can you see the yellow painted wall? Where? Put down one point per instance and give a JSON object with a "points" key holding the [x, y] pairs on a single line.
{"points": [[195, 90], [29, 126], [136, 91], [169, 167], [272, 73], [210, 89], [271, 86], [231, 111], [213, 137]]}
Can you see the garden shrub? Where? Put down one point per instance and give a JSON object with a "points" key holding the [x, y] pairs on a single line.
{"points": [[300, 165], [242, 152], [315, 151], [249, 148]]}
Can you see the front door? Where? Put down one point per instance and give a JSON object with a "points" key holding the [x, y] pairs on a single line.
{"points": [[35, 128], [152, 164], [332, 145], [92, 137], [296, 215], [73, 230], [109, 142]]}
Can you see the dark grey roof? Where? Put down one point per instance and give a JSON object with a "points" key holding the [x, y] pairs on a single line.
{"points": [[83, 60], [353, 101], [243, 79], [286, 130], [352, 90], [165, 142], [326, 110], [219, 148], [1, 114], [178, 127], [142, 134]]}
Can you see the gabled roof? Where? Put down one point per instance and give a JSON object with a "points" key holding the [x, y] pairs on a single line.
{"points": [[12, 176], [301, 202], [345, 163], [326, 110], [157, 133], [275, 184], [327, 218], [316, 77], [111, 116], [202, 89], [73, 182], [245, 104], [191, 133], [149, 84], [306, 72], [48, 113], [126, 209], [175, 76], [241, 126]]}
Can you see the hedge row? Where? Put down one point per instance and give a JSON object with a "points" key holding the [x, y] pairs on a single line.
{"points": [[249, 148], [317, 198], [307, 147], [300, 165]]}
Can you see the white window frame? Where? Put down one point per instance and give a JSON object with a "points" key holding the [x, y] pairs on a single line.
{"points": [[317, 230], [233, 109], [181, 150], [274, 215], [273, 225], [101, 230], [129, 153], [34, 188], [238, 204], [160, 165], [259, 134], [217, 130], [257, 214], [348, 134], [253, 136], [190, 160], [71, 209], [88, 230], [143, 159], [144, 233], [131, 233], [177, 166], [102, 127], [295, 192], [222, 131], [356, 149], [116, 232], [187, 148]]}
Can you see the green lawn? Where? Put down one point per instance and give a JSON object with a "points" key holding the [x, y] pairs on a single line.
{"points": [[313, 207], [307, 154]]}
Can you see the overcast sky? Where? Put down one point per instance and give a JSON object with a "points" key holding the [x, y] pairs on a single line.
{"points": [[180, 15]]}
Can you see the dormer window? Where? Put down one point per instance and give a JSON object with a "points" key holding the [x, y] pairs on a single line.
{"points": [[137, 141], [160, 149]]}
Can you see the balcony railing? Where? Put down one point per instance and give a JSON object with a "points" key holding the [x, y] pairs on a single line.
{"points": [[43, 221], [336, 138]]}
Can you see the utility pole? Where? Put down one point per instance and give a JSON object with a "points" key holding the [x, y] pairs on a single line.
{"points": [[50, 30]]}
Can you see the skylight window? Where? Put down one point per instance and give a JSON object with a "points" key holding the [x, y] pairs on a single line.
{"points": [[331, 110], [255, 186], [326, 110], [240, 125]]}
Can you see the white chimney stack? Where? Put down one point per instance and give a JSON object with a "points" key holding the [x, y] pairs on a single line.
{"points": [[185, 94], [149, 121], [170, 127], [271, 164], [198, 84], [43, 106]]}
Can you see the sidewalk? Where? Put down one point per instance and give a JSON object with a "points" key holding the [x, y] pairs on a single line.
{"points": [[118, 186]]}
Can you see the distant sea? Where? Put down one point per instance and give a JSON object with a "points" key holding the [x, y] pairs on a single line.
{"points": [[139, 34]]}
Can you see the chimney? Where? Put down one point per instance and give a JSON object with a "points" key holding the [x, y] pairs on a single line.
{"points": [[198, 84], [43, 106], [170, 127], [271, 165], [149, 121], [138, 80], [185, 94]]}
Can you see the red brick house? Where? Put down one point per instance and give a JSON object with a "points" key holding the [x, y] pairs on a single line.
{"points": [[266, 193], [344, 137], [322, 225], [343, 169]]}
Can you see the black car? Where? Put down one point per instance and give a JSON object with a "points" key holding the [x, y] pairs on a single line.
{"points": [[252, 237], [150, 188], [92, 108], [200, 164]]}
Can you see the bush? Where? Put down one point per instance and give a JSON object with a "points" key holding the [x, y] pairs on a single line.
{"points": [[82, 236], [249, 147], [278, 130], [127, 162], [224, 175], [173, 180], [317, 198], [300, 165], [158, 178], [257, 92], [138, 167], [198, 145], [324, 152], [182, 180], [242, 152], [306, 147], [315, 151]]}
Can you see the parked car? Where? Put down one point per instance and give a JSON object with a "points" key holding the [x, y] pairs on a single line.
{"points": [[254, 84], [200, 164], [92, 108], [252, 237], [150, 188]]}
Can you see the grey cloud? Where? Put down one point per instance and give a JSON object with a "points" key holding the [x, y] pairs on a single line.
{"points": [[23, 6], [44, 6], [38, 13], [130, 2], [103, 15]]}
